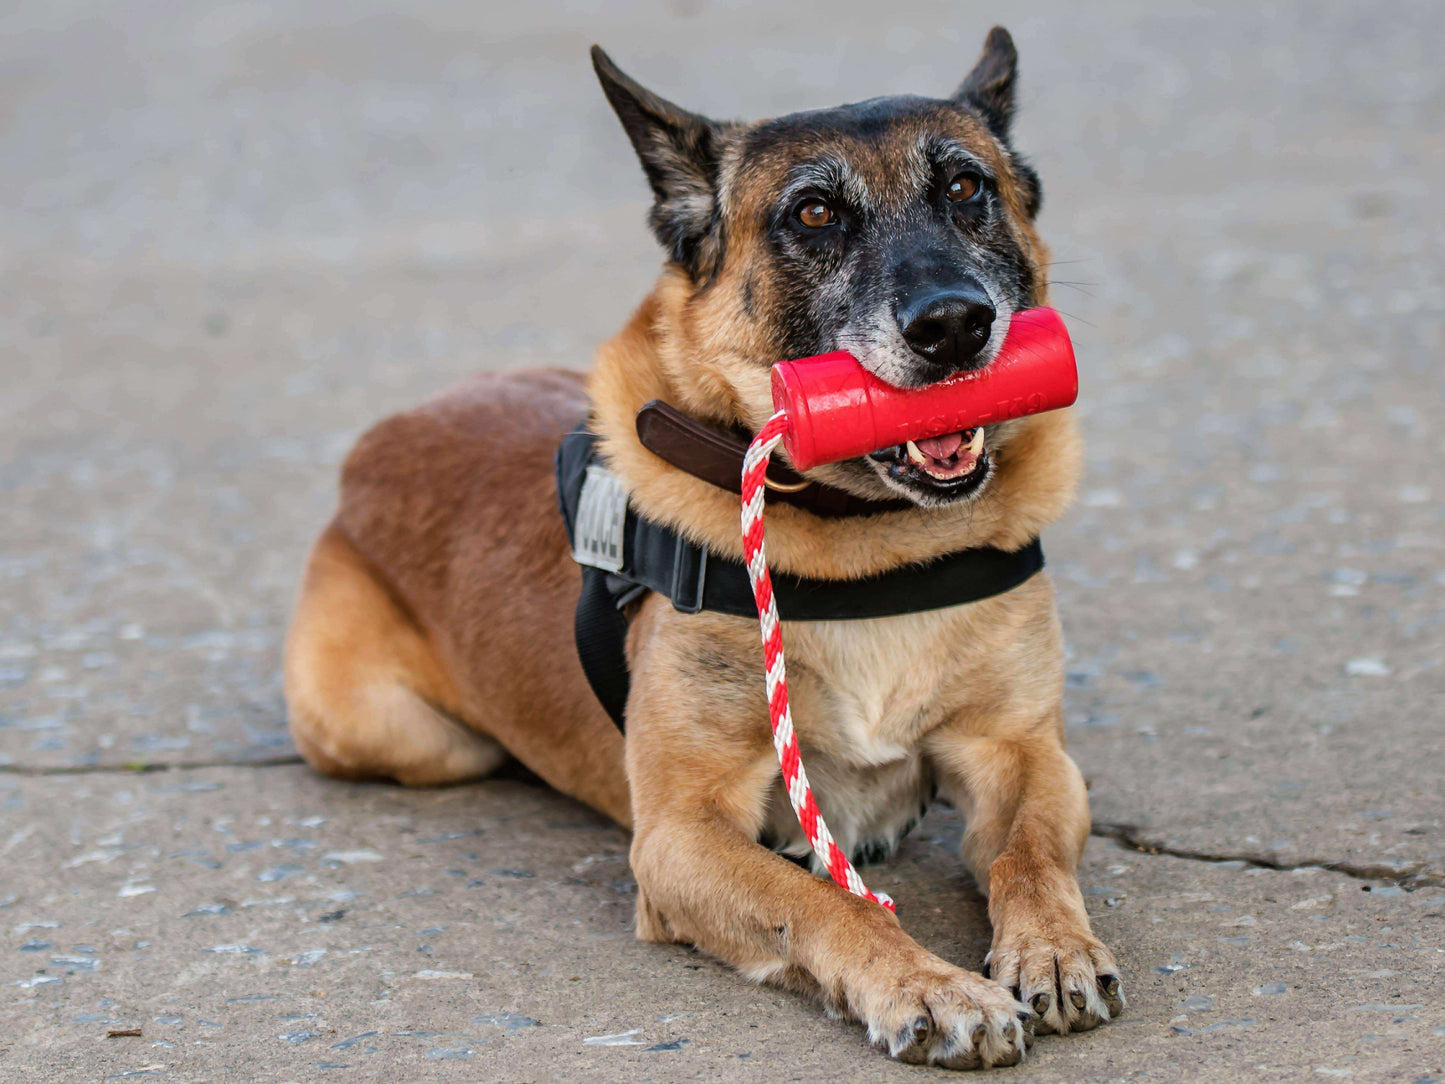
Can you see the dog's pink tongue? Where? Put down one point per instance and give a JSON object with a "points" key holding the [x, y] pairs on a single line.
{"points": [[941, 447]]}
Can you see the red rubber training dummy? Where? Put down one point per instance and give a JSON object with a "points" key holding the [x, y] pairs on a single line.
{"points": [[837, 409]]}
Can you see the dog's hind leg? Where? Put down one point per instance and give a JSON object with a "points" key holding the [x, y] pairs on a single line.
{"points": [[366, 694], [1027, 817]]}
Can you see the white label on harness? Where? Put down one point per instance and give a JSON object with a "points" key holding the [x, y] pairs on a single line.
{"points": [[601, 519]]}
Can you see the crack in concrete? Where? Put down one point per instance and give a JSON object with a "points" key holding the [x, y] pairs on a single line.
{"points": [[1416, 876], [145, 767], [1127, 836]]}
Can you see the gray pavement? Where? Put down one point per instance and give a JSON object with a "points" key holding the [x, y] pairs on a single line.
{"points": [[232, 237]]}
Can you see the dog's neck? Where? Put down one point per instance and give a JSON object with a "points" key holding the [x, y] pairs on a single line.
{"points": [[1033, 480]]}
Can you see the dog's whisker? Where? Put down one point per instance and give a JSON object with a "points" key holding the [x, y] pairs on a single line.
{"points": [[1077, 289], [1077, 318]]}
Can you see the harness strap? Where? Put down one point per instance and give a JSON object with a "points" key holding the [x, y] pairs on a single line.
{"points": [[694, 579], [644, 556], [600, 629]]}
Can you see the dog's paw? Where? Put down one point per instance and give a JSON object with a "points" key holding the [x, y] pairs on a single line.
{"points": [[941, 1015], [1069, 983]]}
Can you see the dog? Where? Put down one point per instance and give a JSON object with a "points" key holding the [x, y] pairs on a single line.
{"points": [[433, 634]]}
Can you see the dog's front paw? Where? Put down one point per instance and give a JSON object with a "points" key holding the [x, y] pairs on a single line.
{"points": [[1069, 982], [937, 1014]]}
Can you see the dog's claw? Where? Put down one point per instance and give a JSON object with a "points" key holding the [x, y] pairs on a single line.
{"points": [[1113, 992], [1078, 999], [1040, 1004], [911, 1043]]}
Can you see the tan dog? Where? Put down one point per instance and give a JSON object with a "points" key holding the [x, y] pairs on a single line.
{"points": [[433, 635]]}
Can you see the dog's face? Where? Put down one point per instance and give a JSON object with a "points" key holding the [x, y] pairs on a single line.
{"points": [[898, 229]]}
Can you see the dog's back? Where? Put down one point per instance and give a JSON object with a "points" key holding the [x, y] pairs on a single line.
{"points": [[447, 553]]}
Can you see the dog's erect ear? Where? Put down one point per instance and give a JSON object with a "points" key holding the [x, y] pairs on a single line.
{"points": [[679, 152], [989, 88]]}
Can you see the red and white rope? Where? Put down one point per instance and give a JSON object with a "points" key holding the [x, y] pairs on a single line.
{"points": [[795, 779]]}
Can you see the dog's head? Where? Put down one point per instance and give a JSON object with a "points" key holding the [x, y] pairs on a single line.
{"points": [[898, 229]]}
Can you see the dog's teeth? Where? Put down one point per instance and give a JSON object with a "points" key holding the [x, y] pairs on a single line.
{"points": [[976, 445], [916, 455]]}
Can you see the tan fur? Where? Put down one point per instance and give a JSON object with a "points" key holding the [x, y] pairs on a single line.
{"points": [[434, 631], [446, 576]]}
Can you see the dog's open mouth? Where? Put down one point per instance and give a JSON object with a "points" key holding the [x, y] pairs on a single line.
{"points": [[949, 457], [945, 466]]}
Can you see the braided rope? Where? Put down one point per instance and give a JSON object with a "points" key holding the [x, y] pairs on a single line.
{"points": [[795, 779]]}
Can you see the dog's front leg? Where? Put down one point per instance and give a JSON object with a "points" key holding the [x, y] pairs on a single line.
{"points": [[1027, 819], [700, 767]]}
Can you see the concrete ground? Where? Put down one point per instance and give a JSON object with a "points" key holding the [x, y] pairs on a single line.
{"points": [[230, 237]]}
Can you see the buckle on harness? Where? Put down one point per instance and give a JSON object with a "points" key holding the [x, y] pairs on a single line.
{"points": [[689, 575]]}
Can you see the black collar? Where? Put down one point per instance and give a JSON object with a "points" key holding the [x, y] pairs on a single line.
{"points": [[623, 556]]}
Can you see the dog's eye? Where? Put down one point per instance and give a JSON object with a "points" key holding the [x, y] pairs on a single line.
{"points": [[815, 214], [963, 188]]}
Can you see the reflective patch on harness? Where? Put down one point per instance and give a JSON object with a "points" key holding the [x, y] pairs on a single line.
{"points": [[601, 520]]}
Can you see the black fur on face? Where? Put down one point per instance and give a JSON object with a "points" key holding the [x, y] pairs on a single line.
{"points": [[897, 229], [883, 169]]}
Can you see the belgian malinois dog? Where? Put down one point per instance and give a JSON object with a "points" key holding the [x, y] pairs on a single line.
{"points": [[433, 636]]}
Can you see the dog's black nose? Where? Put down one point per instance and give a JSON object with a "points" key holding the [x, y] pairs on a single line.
{"points": [[947, 327]]}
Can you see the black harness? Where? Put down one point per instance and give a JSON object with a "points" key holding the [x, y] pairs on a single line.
{"points": [[623, 556]]}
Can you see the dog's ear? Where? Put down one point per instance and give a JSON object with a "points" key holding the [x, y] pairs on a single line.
{"points": [[1029, 185], [989, 88], [679, 152]]}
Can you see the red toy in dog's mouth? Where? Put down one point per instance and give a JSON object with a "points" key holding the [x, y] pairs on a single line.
{"points": [[837, 409]]}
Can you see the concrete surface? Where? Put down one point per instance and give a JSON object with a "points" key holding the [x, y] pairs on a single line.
{"points": [[230, 237]]}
